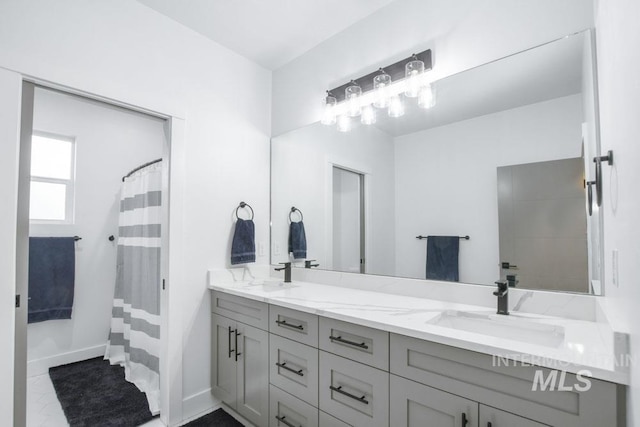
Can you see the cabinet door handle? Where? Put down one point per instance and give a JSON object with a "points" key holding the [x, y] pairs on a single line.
{"points": [[230, 350], [283, 421], [464, 419], [237, 353], [284, 366], [346, 393], [343, 341], [489, 424], [289, 325]]}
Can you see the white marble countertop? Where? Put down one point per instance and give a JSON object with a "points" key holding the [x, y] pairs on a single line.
{"points": [[586, 345]]}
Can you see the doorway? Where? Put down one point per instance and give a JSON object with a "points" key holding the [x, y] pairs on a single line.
{"points": [[348, 221], [104, 142]]}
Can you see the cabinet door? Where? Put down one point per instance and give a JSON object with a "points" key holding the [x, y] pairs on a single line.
{"points": [[416, 405], [253, 374], [491, 417], [223, 366]]}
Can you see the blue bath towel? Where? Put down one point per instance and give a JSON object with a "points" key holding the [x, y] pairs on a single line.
{"points": [[243, 246], [297, 240], [52, 265], [442, 258]]}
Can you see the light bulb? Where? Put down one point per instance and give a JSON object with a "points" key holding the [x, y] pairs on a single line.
{"points": [[380, 86], [344, 123], [396, 107], [368, 115], [427, 97], [352, 95], [328, 110], [413, 72]]}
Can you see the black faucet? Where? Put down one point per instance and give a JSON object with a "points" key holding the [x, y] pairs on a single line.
{"points": [[503, 296], [307, 263], [287, 271]]}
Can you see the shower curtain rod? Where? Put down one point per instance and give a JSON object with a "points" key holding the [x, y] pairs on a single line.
{"points": [[140, 167]]}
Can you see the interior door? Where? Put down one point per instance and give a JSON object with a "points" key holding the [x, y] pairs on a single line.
{"points": [[543, 224], [348, 221], [13, 245]]}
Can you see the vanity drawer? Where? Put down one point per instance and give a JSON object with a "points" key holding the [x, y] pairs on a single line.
{"points": [[247, 311], [293, 324], [365, 345], [504, 384], [326, 420], [289, 411], [353, 392], [294, 368]]}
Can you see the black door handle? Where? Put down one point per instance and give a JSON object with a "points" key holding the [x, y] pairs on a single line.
{"points": [[489, 424], [289, 325], [230, 350], [343, 341], [282, 420], [237, 353], [285, 367], [346, 393], [464, 419]]}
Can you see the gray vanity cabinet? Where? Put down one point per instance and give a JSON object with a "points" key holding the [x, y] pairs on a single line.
{"points": [[492, 417], [240, 362], [417, 405]]}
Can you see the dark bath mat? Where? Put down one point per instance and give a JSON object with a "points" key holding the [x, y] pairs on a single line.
{"points": [[218, 418], [93, 393]]}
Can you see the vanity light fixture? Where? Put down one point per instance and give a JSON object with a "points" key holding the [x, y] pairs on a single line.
{"points": [[413, 72], [368, 116], [381, 84], [352, 94], [329, 109], [344, 123], [396, 107], [427, 96], [384, 88]]}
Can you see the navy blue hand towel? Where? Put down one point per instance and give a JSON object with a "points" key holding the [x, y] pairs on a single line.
{"points": [[442, 258], [243, 247], [52, 266], [297, 240]]}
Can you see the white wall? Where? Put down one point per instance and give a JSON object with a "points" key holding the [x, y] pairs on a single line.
{"points": [[446, 182], [618, 39], [109, 143], [123, 50], [302, 175], [462, 34]]}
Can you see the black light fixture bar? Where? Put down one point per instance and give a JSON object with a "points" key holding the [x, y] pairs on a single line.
{"points": [[396, 71]]}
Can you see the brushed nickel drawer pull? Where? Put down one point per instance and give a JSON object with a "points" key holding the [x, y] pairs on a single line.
{"points": [[346, 393], [343, 341], [289, 325], [284, 366], [282, 420]]}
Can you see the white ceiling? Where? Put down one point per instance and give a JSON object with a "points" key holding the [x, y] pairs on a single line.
{"points": [[268, 32]]}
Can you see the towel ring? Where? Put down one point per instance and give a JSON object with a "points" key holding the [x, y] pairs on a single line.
{"points": [[293, 209], [244, 205]]}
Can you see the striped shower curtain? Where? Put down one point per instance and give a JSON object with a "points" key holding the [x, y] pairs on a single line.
{"points": [[134, 340]]}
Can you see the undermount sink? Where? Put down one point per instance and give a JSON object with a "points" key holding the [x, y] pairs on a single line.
{"points": [[271, 285], [501, 326]]}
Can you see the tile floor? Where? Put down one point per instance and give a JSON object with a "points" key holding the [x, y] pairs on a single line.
{"points": [[43, 407]]}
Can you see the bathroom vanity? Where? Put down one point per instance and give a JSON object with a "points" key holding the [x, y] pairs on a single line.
{"points": [[309, 354]]}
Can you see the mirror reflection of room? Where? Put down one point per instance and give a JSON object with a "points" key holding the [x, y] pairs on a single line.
{"points": [[441, 172]]}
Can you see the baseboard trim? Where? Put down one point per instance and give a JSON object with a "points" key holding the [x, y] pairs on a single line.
{"points": [[41, 366], [198, 405], [203, 403]]}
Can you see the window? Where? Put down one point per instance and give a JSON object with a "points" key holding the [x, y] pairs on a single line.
{"points": [[52, 178]]}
